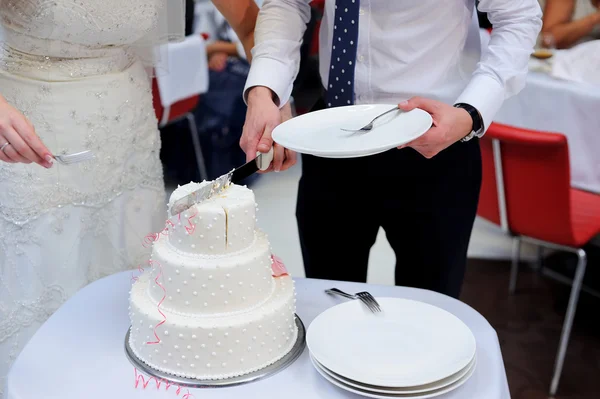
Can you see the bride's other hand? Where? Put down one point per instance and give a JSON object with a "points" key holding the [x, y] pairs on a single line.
{"points": [[18, 140]]}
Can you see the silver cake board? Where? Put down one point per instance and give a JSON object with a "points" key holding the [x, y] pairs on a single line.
{"points": [[268, 371]]}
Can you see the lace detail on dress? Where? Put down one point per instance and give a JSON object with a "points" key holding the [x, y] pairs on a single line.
{"points": [[74, 29], [121, 132], [66, 66]]}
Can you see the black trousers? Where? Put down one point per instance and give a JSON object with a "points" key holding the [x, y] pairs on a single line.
{"points": [[426, 207]]}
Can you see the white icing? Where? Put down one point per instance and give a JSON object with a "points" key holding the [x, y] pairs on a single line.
{"points": [[219, 284], [222, 224], [182, 191], [214, 347]]}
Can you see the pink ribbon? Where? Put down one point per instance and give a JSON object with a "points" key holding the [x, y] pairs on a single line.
{"points": [[191, 227], [139, 379], [155, 263], [134, 278]]}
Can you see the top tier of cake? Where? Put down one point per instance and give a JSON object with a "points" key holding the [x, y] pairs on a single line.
{"points": [[220, 225]]}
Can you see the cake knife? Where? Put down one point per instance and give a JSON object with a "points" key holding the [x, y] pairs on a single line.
{"points": [[261, 162]]}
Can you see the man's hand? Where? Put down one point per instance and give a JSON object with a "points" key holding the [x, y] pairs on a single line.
{"points": [[261, 118], [450, 124]]}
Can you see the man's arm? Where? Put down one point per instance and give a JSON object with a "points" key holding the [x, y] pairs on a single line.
{"points": [[276, 54], [275, 63], [503, 68], [500, 74], [241, 15]]}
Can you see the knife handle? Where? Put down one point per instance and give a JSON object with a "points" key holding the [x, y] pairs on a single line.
{"points": [[264, 160]]}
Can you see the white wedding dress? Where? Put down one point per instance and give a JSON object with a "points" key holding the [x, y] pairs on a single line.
{"points": [[67, 66]]}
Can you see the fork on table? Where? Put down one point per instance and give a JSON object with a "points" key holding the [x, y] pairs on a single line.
{"points": [[77, 157], [363, 296]]}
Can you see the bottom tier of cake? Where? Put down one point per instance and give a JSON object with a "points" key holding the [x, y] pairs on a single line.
{"points": [[213, 347]]}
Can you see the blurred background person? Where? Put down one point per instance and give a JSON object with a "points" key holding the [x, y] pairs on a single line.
{"points": [[570, 22]]}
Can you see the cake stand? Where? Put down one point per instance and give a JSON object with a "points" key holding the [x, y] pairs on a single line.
{"points": [[268, 371]]}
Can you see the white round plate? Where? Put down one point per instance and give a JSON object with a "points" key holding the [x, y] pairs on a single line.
{"points": [[371, 394], [403, 390], [408, 344], [320, 133]]}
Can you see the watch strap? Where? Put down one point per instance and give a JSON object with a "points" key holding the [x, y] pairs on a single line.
{"points": [[475, 117]]}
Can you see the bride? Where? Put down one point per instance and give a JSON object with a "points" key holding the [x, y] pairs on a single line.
{"points": [[72, 79]]}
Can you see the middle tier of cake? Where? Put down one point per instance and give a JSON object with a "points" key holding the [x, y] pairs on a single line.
{"points": [[205, 284]]}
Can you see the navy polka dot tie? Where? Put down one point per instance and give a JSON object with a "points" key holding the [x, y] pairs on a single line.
{"points": [[340, 87]]}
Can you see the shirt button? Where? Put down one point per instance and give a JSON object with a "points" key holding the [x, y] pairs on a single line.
{"points": [[361, 58], [361, 11]]}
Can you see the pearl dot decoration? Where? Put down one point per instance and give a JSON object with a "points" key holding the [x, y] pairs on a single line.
{"points": [[223, 306]]}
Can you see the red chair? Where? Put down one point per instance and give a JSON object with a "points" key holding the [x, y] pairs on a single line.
{"points": [[318, 5], [178, 111], [526, 189]]}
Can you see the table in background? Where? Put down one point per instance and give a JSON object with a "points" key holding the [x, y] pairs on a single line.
{"points": [[570, 108], [79, 351]]}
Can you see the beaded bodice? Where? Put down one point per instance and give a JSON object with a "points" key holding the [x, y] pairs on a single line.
{"points": [[75, 28], [66, 66]]}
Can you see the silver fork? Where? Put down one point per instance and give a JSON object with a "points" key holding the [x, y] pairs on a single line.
{"points": [[368, 299], [364, 297], [70, 159], [369, 126]]}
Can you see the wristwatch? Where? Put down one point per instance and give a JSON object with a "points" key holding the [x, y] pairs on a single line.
{"points": [[477, 130]]}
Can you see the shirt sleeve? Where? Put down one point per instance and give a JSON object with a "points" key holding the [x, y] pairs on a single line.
{"points": [[502, 70], [277, 39]]}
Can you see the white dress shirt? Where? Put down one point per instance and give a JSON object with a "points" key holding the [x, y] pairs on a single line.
{"points": [[407, 48]]}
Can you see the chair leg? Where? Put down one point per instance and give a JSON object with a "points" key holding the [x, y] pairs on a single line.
{"points": [[514, 270], [539, 258], [568, 323], [197, 148]]}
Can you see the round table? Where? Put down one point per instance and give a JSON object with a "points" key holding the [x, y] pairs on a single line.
{"points": [[79, 353], [570, 108]]}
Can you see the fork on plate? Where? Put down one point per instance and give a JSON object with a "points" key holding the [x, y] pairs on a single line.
{"points": [[369, 126], [363, 296], [77, 157]]}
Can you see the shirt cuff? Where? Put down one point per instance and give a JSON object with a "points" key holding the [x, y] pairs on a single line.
{"points": [[270, 73], [486, 94]]}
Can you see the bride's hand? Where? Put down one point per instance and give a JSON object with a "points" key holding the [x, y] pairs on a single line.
{"points": [[18, 139]]}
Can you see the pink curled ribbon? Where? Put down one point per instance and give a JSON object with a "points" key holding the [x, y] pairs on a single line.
{"points": [[191, 227], [156, 280], [278, 267], [135, 278], [152, 237], [139, 379]]}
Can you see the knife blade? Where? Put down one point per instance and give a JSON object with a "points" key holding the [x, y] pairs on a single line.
{"points": [[261, 162]]}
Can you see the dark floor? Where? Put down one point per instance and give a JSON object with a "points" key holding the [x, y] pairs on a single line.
{"points": [[529, 324]]}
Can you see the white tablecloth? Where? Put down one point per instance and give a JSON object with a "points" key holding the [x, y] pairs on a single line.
{"points": [[561, 106], [78, 352]]}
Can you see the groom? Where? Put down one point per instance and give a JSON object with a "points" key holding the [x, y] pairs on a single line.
{"points": [[418, 54]]}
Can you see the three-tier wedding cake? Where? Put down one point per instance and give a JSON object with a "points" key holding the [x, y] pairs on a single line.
{"points": [[212, 306]]}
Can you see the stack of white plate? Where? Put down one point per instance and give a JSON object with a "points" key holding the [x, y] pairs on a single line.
{"points": [[409, 350]]}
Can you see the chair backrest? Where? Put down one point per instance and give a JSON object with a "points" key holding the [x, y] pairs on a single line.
{"points": [[158, 108], [176, 111], [535, 186]]}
